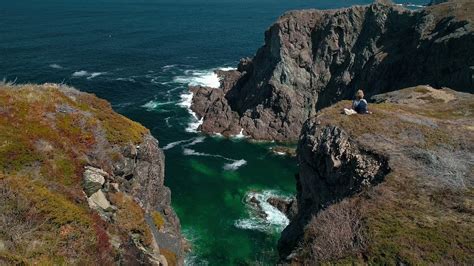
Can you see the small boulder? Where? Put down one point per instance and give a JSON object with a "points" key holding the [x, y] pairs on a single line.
{"points": [[93, 179], [99, 202]]}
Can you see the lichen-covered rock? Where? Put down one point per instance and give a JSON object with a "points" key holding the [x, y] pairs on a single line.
{"points": [[98, 201], [392, 187], [313, 58], [94, 179]]}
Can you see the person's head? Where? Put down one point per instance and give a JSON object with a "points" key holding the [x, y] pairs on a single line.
{"points": [[359, 95]]}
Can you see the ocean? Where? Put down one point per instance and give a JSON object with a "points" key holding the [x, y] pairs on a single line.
{"points": [[141, 55]]}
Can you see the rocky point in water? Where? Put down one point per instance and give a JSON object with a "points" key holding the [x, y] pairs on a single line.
{"points": [[314, 58], [80, 184]]}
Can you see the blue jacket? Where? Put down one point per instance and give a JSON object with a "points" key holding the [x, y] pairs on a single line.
{"points": [[360, 106]]}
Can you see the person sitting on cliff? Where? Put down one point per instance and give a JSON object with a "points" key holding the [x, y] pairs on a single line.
{"points": [[359, 105]]}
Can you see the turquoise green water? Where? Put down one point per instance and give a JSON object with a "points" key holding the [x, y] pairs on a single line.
{"points": [[210, 199]]}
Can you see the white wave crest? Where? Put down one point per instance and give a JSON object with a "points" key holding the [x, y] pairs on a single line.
{"points": [[151, 105], [240, 135], [274, 220], [95, 74], [186, 100], [89, 75], [187, 151], [194, 126], [205, 78], [176, 143], [126, 79], [81, 73], [235, 165], [195, 141], [190, 142], [56, 66]]}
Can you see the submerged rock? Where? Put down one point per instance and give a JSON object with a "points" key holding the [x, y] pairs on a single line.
{"points": [[287, 206]]}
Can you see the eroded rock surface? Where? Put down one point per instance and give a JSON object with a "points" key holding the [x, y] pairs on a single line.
{"points": [[313, 58]]}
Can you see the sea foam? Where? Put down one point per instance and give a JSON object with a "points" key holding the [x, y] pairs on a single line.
{"points": [[89, 75], [206, 78], [235, 165], [56, 66], [190, 142], [275, 220], [152, 105]]}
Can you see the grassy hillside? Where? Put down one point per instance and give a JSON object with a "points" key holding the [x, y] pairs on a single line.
{"points": [[48, 133], [422, 212]]}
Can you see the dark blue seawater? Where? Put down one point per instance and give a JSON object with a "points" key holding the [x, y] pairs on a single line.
{"points": [[140, 55]]}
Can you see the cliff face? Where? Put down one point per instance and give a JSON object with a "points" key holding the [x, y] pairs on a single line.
{"points": [[80, 184], [312, 59], [392, 187]]}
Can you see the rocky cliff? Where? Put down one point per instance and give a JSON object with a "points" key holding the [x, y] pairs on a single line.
{"points": [[312, 59], [80, 184], [393, 187]]}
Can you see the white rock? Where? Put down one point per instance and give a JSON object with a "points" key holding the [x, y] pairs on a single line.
{"points": [[98, 201]]}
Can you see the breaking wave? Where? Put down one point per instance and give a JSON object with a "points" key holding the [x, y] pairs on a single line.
{"points": [[270, 221], [206, 78], [152, 105], [56, 66], [235, 165], [89, 75]]}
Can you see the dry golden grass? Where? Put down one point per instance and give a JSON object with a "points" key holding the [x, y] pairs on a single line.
{"points": [[131, 217]]}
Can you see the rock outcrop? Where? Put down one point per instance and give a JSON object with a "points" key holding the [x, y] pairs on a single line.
{"points": [[312, 59], [80, 184], [393, 187]]}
